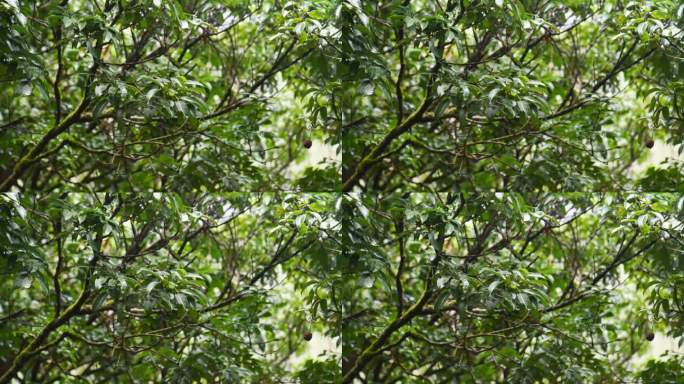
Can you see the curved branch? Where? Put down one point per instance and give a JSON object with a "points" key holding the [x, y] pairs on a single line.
{"points": [[36, 345]]}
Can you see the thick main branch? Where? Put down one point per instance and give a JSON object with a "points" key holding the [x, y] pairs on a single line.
{"points": [[21, 166]]}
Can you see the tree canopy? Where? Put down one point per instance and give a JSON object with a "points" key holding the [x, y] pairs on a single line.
{"points": [[511, 288], [341, 191], [418, 95], [510, 95], [164, 288], [160, 95]]}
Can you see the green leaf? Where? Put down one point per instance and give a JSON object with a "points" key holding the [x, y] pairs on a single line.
{"points": [[24, 282], [493, 286]]}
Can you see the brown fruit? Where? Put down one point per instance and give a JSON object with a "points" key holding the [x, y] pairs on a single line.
{"points": [[308, 335], [650, 336], [307, 143], [649, 143]]}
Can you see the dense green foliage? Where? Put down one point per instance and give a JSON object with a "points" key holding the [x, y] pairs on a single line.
{"points": [[509, 94], [158, 95], [510, 288], [156, 160], [160, 288]]}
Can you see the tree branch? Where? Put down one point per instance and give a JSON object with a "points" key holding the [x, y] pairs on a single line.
{"points": [[21, 166], [29, 351], [376, 346]]}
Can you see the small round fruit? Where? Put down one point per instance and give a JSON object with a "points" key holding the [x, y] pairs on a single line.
{"points": [[307, 143], [649, 143], [650, 336], [308, 335]]}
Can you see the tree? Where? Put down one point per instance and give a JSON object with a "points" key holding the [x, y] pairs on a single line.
{"points": [[522, 288], [159, 95], [166, 288], [510, 95], [156, 159]]}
